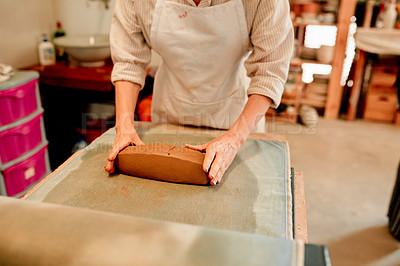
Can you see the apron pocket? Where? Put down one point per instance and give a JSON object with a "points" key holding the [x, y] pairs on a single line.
{"points": [[218, 114]]}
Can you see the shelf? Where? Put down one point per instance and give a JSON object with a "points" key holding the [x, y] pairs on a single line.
{"points": [[299, 62], [313, 103], [335, 90], [305, 24], [282, 117], [289, 101]]}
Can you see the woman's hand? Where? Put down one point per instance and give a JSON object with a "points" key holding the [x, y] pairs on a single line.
{"points": [[121, 141], [220, 153], [126, 95]]}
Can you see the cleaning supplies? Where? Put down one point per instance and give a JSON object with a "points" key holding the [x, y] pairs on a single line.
{"points": [[60, 53], [47, 54]]}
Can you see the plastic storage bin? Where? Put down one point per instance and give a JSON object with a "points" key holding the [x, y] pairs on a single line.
{"points": [[19, 96], [21, 137], [18, 177]]}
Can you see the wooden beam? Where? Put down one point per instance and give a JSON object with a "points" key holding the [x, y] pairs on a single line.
{"points": [[356, 89], [335, 90]]}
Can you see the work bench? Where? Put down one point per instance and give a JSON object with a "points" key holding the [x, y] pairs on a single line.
{"points": [[256, 214]]}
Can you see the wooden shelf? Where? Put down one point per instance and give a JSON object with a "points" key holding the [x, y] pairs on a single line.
{"points": [[281, 117], [297, 62], [305, 24], [289, 101], [313, 103]]}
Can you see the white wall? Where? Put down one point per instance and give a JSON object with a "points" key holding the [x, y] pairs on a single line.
{"points": [[23, 21], [21, 24], [84, 16]]}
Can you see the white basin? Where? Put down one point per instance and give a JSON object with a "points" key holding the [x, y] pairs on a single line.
{"points": [[86, 50]]}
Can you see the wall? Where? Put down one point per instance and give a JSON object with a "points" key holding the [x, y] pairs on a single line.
{"points": [[88, 17], [84, 16], [22, 23]]}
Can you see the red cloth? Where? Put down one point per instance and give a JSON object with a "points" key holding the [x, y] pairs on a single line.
{"points": [[144, 109]]}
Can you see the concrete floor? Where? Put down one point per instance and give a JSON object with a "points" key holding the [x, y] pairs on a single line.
{"points": [[349, 169]]}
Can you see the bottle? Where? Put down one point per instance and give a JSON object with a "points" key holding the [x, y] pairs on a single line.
{"points": [[390, 16], [59, 30], [60, 53], [380, 16], [46, 52]]}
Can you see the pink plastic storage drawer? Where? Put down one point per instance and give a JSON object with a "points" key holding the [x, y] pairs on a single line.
{"points": [[20, 139], [19, 176], [18, 102]]}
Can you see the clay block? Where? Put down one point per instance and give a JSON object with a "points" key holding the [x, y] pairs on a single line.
{"points": [[163, 162]]}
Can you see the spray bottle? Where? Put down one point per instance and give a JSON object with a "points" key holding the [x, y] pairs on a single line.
{"points": [[390, 16]]}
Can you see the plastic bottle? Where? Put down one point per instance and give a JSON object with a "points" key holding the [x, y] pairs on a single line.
{"points": [[390, 16], [380, 17], [47, 54]]}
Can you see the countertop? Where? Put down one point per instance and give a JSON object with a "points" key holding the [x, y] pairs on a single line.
{"points": [[64, 74]]}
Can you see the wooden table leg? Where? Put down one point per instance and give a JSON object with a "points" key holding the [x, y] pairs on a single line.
{"points": [[300, 217]]}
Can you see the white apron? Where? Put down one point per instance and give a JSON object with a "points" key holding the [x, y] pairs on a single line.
{"points": [[201, 80]]}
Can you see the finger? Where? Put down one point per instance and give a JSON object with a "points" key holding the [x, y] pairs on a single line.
{"points": [[116, 148], [208, 159], [110, 167], [213, 182], [201, 147], [219, 175], [114, 151], [216, 165]]}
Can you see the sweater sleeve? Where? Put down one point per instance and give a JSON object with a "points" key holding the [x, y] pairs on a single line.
{"points": [[272, 40], [129, 50]]}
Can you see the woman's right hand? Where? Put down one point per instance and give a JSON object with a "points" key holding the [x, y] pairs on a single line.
{"points": [[121, 141], [126, 95]]}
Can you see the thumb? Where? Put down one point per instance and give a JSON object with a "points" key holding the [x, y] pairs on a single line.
{"points": [[201, 147]]}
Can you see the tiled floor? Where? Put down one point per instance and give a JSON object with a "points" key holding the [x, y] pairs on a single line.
{"points": [[350, 170]]}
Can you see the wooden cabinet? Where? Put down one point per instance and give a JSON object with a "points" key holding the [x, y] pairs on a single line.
{"points": [[381, 100]]}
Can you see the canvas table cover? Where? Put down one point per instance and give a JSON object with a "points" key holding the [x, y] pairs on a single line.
{"points": [[35, 233], [254, 196]]}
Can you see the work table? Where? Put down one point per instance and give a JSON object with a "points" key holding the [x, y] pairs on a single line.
{"points": [[248, 182], [255, 216]]}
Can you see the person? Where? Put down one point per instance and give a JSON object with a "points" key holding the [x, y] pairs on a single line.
{"points": [[224, 63]]}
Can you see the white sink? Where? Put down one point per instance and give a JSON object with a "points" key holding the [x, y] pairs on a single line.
{"points": [[86, 50]]}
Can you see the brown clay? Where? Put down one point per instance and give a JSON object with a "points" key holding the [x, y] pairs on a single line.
{"points": [[163, 162]]}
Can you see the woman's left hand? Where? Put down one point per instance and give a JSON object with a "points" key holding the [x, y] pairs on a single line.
{"points": [[220, 153]]}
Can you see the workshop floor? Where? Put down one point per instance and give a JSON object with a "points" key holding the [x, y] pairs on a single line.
{"points": [[349, 170]]}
